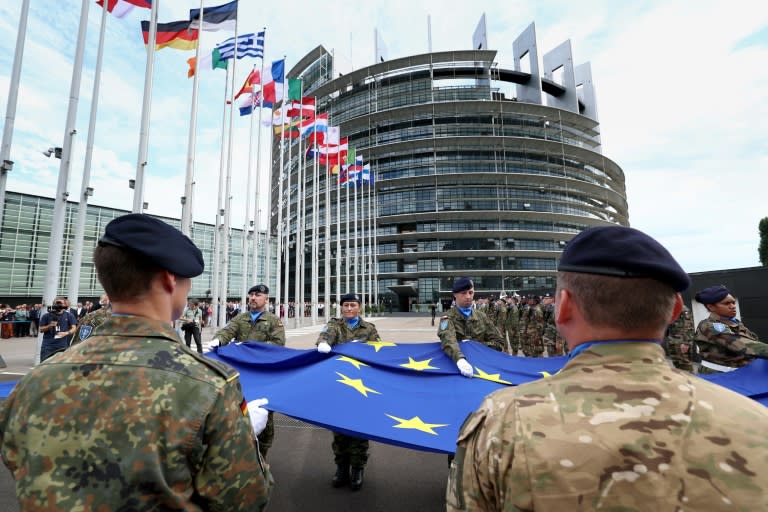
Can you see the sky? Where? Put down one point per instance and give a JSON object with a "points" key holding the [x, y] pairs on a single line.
{"points": [[681, 97]]}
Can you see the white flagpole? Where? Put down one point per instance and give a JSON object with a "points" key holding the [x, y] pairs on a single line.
{"points": [[363, 288], [299, 278], [347, 289], [53, 266], [371, 298], [287, 207], [281, 271], [85, 189], [256, 209], [375, 241], [138, 187], [228, 193], [327, 260], [338, 234], [315, 233], [247, 225], [217, 232], [186, 200], [10, 111], [356, 260]]}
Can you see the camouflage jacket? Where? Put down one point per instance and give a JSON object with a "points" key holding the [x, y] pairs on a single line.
{"points": [[532, 322], [90, 323], [337, 331], [550, 334], [267, 328], [615, 429], [513, 318], [454, 328], [731, 344], [132, 419]]}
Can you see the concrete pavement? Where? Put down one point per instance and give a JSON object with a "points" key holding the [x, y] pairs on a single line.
{"points": [[301, 459]]}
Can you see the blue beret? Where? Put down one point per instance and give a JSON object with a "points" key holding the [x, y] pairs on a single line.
{"points": [[259, 288], [712, 295], [161, 243], [622, 252], [350, 297], [462, 284]]}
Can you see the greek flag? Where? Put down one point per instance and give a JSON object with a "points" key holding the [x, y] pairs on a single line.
{"points": [[248, 45]]}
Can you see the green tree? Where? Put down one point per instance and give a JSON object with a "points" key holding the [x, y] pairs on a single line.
{"points": [[762, 250]]}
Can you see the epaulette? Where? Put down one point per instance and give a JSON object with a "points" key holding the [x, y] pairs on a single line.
{"points": [[443, 317], [224, 370]]}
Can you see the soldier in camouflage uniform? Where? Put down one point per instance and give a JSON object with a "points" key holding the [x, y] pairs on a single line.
{"points": [[501, 319], [678, 342], [131, 418], [256, 324], [92, 321], [532, 329], [349, 453], [552, 339], [465, 323], [513, 324], [723, 341], [616, 428]]}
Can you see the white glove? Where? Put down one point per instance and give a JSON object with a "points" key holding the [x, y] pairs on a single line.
{"points": [[323, 347], [214, 343], [464, 367], [258, 415]]}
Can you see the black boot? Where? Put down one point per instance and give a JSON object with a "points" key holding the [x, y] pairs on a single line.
{"points": [[341, 478], [357, 479]]}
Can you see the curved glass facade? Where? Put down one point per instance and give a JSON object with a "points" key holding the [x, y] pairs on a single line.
{"points": [[468, 180]]}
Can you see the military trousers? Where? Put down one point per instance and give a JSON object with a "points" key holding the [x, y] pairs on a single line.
{"points": [[350, 450]]}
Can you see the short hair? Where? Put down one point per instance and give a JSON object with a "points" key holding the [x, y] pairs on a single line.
{"points": [[627, 303], [123, 273]]}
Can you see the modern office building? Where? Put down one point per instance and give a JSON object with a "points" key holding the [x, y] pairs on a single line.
{"points": [[25, 235], [482, 168]]}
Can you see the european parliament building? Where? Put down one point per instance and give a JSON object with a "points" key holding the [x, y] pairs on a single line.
{"points": [[482, 168]]}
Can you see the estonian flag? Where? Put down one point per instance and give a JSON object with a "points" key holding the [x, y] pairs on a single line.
{"points": [[221, 17]]}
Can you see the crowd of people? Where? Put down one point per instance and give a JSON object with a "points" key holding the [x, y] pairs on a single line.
{"points": [[618, 427]]}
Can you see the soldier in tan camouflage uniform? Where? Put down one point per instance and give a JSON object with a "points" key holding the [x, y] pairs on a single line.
{"points": [[679, 343], [465, 323], [256, 324], [616, 428], [131, 419], [552, 339], [724, 342], [513, 324], [532, 329], [350, 453]]}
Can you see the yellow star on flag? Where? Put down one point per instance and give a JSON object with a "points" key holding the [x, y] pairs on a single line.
{"points": [[493, 377], [547, 375], [417, 424], [379, 344], [419, 365], [354, 362], [356, 384]]}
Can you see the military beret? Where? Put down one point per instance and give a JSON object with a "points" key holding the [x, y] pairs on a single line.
{"points": [[462, 284], [712, 295], [622, 252], [259, 288], [161, 243], [350, 297]]}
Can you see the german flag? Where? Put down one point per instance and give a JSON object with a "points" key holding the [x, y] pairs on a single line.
{"points": [[176, 34]]}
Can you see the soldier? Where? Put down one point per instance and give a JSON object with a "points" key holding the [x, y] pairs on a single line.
{"points": [[256, 324], [532, 330], [131, 418], [724, 342], [513, 324], [92, 321], [678, 342], [465, 323], [552, 339], [501, 319], [348, 452], [616, 428]]}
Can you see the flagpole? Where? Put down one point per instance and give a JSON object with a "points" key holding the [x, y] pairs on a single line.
{"points": [[375, 240], [10, 111], [256, 210], [356, 263], [85, 189], [287, 209], [315, 232], [299, 278], [327, 260], [53, 266], [244, 284], [338, 233], [280, 201], [141, 164], [218, 229], [186, 200], [371, 299], [347, 230]]}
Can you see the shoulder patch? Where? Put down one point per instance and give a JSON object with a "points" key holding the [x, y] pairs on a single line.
{"points": [[85, 332], [721, 328], [444, 323]]}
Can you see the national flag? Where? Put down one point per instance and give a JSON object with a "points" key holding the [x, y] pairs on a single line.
{"points": [[248, 45], [278, 70], [316, 124], [333, 135], [355, 170], [304, 108], [254, 78], [220, 17], [176, 34], [291, 130], [249, 104], [367, 175], [273, 93], [118, 8], [343, 176], [294, 89], [144, 4], [209, 59]]}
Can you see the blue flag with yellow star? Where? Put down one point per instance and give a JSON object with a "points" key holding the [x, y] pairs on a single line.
{"points": [[409, 395]]}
